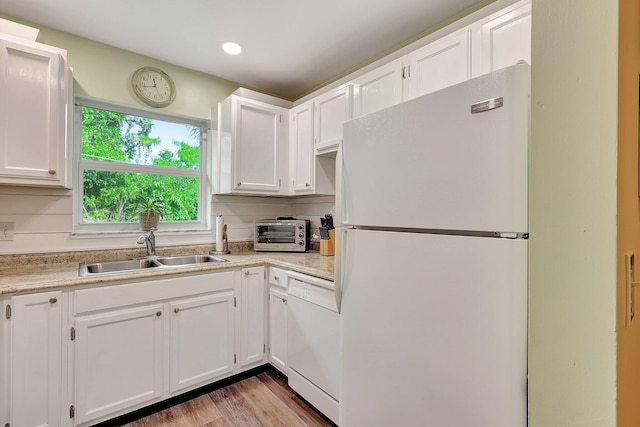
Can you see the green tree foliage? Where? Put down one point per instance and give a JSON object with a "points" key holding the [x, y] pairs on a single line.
{"points": [[112, 196]]}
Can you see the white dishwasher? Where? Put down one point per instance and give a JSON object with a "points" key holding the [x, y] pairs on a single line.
{"points": [[313, 331]]}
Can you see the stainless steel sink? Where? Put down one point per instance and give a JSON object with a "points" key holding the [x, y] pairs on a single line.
{"points": [[117, 266], [189, 259], [87, 269]]}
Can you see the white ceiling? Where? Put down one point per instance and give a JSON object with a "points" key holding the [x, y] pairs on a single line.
{"points": [[290, 46]]}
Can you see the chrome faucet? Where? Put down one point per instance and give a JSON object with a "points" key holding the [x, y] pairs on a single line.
{"points": [[150, 240]]}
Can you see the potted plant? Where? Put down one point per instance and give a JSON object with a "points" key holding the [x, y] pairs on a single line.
{"points": [[149, 212]]}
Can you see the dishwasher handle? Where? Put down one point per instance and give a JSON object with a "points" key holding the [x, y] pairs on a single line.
{"points": [[315, 281]]}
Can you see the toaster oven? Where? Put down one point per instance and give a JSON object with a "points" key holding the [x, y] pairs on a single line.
{"points": [[283, 235]]}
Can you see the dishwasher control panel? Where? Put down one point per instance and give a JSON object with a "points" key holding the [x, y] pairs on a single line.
{"points": [[314, 294]]}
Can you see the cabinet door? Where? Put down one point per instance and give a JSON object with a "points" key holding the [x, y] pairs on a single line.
{"points": [[506, 38], [332, 109], [440, 64], [119, 363], [301, 149], [278, 329], [202, 339], [258, 146], [35, 359], [378, 89], [252, 305], [33, 83]]}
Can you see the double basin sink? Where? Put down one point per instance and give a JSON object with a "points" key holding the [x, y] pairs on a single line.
{"points": [[130, 265]]}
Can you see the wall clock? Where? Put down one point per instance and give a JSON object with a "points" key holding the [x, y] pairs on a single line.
{"points": [[153, 86]]}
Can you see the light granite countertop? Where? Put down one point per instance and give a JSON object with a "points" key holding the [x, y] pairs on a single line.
{"points": [[44, 272]]}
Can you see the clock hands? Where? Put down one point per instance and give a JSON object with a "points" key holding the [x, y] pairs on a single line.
{"points": [[154, 84]]}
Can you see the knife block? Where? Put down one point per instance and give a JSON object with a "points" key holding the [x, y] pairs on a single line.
{"points": [[327, 247]]}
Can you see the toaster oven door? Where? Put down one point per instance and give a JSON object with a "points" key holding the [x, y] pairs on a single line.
{"points": [[275, 237]]}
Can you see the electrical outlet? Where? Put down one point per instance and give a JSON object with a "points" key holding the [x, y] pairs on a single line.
{"points": [[6, 231]]}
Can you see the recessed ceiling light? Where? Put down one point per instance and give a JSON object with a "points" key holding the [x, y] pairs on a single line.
{"points": [[231, 48]]}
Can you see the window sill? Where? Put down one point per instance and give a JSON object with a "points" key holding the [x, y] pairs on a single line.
{"points": [[106, 234]]}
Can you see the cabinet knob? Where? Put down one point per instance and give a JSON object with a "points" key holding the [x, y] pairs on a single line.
{"points": [[307, 185], [158, 313], [238, 183], [52, 171], [276, 278], [53, 300], [284, 300], [176, 310], [246, 273]]}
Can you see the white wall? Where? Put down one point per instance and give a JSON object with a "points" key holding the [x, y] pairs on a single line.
{"points": [[572, 342]]}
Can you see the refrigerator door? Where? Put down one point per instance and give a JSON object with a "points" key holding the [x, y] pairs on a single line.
{"points": [[433, 331], [430, 163]]}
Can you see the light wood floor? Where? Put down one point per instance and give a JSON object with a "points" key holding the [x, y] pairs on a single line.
{"points": [[263, 400]]}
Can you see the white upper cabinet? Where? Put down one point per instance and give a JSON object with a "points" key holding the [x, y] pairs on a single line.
{"points": [[255, 155], [440, 64], [378, 89], [252, 147], [309, 174], [301, 154], [35, 85], [504, 38], [332, 109]]}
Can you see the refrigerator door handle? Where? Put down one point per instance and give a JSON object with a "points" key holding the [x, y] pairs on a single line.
{"points": [[339, 198], [341, 243]]}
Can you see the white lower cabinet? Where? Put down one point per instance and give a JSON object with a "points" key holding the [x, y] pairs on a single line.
{"points": [[31, 356], [82, 356], [135, 344], [278, 329], [119, 361], [200, 353], [252, 317], [278, 319]]}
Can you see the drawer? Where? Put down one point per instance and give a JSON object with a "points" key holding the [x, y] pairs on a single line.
{"points": [[278, 277], [115, 296]]}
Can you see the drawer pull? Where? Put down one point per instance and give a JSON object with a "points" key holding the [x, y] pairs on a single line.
{"points": [[176, 310], [158, 313], [246, 273], [53, 300], [284, 300], [52, 171], [276, 278]]}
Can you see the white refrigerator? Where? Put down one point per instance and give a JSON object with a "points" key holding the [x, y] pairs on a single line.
{"points": [[432, 269]]}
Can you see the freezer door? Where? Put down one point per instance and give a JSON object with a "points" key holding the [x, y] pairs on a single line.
{"points": [[434, 331], [432, 163]]}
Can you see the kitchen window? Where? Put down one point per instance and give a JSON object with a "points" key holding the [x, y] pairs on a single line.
{"points": [[125, 156]]}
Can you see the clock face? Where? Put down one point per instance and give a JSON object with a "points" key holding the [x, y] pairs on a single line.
{"points": [[153, 86]]}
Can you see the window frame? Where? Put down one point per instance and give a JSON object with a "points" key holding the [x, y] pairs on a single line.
{"points": [[79, 165]]}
